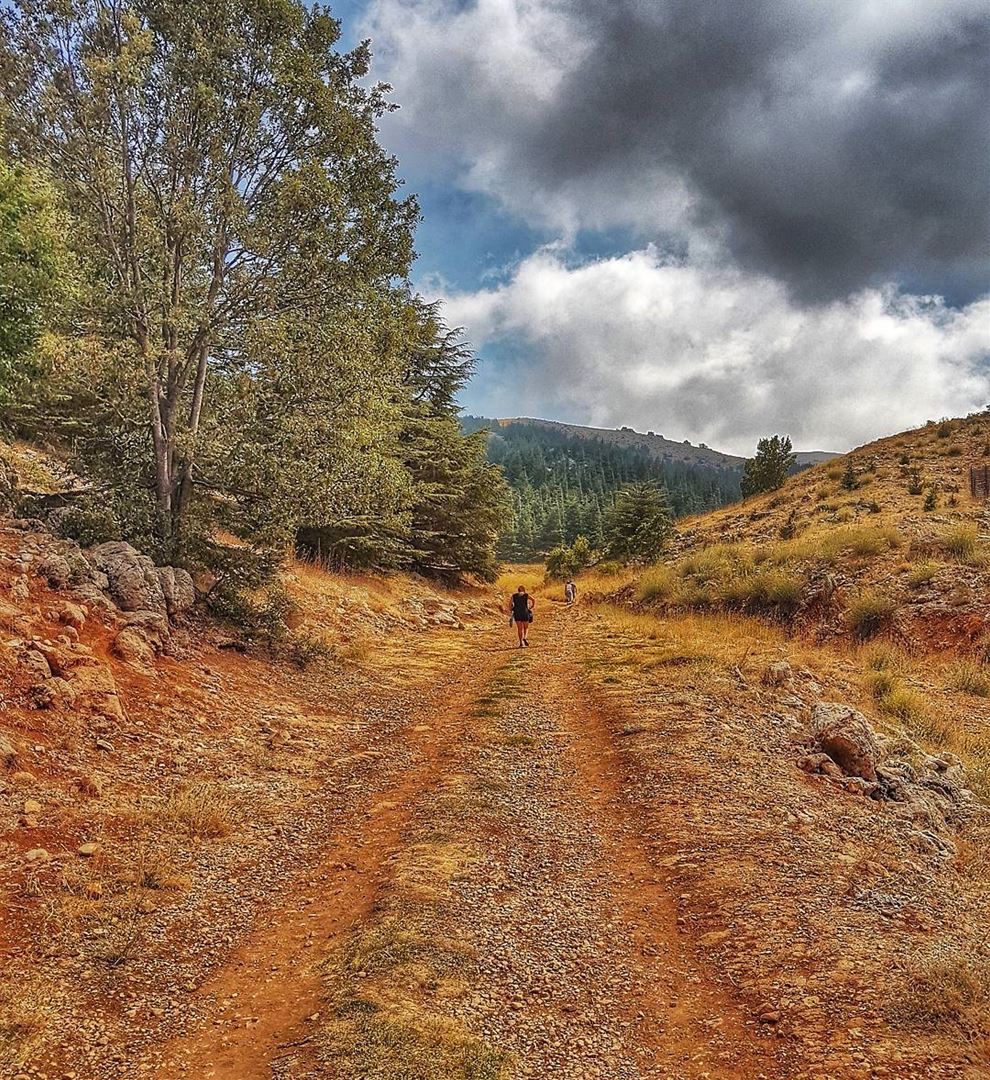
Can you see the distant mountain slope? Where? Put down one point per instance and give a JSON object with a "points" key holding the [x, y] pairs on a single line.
{"points": [[564, 480], [657, 446]]}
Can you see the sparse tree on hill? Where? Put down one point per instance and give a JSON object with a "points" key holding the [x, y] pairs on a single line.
{"points": [[639, 525], [768, 470]]}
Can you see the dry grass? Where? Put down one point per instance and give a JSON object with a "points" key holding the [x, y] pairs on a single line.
{"points": [[201, 809], [969, 678], [529, 575], [942, 988], [870, 614], [960, 541]]}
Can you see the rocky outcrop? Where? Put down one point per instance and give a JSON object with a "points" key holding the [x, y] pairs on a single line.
{"points": [[845, 735], [133, 579], [178, 589]]}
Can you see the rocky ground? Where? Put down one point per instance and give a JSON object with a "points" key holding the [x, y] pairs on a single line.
{"points": [[641, 848]]}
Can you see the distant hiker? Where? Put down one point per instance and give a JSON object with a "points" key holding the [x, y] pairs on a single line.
{"points": [[570, 592], [521, 613]]}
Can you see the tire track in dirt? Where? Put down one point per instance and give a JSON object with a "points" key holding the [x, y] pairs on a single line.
{"points": [[263, 1001]]}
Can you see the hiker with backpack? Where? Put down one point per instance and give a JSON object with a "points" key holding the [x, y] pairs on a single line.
{"points": [[521, 613]]}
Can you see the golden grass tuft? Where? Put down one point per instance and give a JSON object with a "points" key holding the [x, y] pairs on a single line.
{"points": [[969, 677], [201, 809], [942, 988], [870, 613]]}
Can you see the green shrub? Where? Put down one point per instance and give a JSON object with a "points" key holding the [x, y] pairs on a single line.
{"points": [[870, 614], [87, 523], [609, 568]]}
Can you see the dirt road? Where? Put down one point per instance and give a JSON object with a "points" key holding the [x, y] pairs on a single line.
{"points": [[496, 911]]}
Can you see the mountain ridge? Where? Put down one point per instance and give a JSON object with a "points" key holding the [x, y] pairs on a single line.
{"points": [[657, 445]]}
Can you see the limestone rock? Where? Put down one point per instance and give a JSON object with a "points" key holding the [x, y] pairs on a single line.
{"points": [[34, 662], [846, 736], [133, 578], [177, 585], [54, 693], [55, 569], [73, 615], [131, 646]]}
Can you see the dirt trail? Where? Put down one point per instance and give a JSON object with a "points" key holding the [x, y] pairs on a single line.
{"points": [[496, 912]]}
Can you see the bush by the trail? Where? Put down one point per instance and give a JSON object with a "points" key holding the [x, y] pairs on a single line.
{"points": [[564, 562]]}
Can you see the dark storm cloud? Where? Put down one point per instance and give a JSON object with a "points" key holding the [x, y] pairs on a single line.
{"points": [[830, 149]]}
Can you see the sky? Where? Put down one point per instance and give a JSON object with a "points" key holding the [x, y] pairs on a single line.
{"points": [[714, 219]]}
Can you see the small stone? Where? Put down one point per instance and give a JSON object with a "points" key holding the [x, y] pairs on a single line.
{"points": [[37, 854], [104, 744], [88, 849], [32, 806], [771, 1016]]}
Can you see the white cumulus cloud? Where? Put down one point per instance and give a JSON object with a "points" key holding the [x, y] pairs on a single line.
{"points": [[715, 354]]}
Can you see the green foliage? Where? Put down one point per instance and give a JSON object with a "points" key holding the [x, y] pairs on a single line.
{"points": [[849, 479], [31, 273], [563, 562], [221, 164], [639, 525], [931, 500], [245, 354], [563, 485], [768, 470]]}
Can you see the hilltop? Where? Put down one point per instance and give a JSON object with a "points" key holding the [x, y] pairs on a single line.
{"points": [[657, 446]]}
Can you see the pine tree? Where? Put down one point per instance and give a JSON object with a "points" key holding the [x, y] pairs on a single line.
{"points": [[770, 467], [638, 527]]}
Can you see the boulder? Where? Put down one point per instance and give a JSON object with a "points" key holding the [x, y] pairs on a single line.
{"points": [[35, 664], [131, 646], [846, 736], [8, 753], [95, 597], [54, 693], [55, 569], [72, 615], [177, 585], [133, 578]]}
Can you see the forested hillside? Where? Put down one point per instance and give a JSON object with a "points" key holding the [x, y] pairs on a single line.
{"points": [[563, 484]]}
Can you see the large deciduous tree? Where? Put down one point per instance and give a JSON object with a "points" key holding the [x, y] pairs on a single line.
{"points": [[31, 272], [221, 163]]}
